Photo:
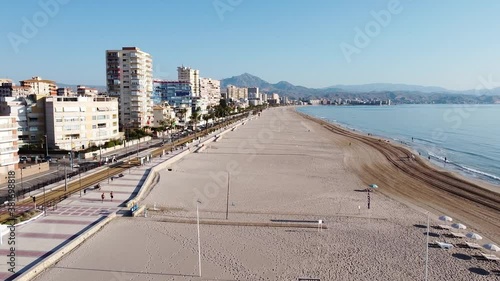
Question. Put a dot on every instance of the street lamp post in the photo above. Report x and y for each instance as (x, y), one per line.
(46, 147)
(199, 245)
(22, 188)
(227, 196)
(80, 174)
(427, 250)
(66, 176)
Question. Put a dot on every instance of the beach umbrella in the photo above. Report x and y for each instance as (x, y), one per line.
(445, 218)
(491, 247)
(373, 185)
(473, 235)
(459, 226)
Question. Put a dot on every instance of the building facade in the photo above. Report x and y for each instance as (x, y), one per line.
(9, 157)
(235, 93)
(40, 86)
(163, 114)
(83, 91)
(187, 74)
(75, 123)
(129, 76)
(210, 90)
(175, 93)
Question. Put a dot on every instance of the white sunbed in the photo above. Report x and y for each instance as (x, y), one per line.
(490, 257)
(457, 234)
(443, 245)
(473, 245)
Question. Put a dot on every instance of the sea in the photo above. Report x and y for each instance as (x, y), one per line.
(461, 138)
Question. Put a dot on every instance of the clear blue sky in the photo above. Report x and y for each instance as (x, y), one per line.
(449, 43)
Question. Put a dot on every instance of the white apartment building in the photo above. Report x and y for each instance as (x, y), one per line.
(65, 92)
(129, 76)
(11, 90)
(187, 74)
(210, 90)
(15, 107)
(41, 86)
(9, 158)
(235, 93)
(75, 123)
(83, 91)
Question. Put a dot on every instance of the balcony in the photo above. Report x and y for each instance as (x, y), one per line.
(9, 161)
(7, 150)
(8, 127)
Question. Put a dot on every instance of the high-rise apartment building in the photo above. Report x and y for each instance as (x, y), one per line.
(187, 74)
(129, 76)
(210, 90)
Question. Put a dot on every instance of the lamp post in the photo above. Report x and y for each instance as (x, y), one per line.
(427, 250)
(199, 245)
(80, 174)
(66, 175)
(22, 188)
(46, 147)
(227, 196)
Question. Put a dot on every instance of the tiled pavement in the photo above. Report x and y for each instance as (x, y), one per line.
(37, 240)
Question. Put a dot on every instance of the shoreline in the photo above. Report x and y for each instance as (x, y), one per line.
(418, 183)
(486, 179)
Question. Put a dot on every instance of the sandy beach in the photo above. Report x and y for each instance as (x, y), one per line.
(284, 172)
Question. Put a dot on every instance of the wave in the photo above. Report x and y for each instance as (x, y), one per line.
(497, 178)
(464, 168)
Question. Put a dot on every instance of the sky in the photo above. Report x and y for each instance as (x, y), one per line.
(312, 43)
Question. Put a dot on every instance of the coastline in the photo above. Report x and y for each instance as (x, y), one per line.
(420, 183)
(460, 169)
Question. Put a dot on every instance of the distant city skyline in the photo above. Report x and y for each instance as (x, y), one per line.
(314, 44)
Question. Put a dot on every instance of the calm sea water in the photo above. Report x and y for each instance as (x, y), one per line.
(468, 136)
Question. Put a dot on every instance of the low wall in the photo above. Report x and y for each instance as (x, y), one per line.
(89, 155)
(27, 171)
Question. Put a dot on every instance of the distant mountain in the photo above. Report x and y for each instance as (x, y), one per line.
(245, 80)
(378, 90)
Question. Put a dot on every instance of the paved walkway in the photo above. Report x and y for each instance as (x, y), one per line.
(42, 237)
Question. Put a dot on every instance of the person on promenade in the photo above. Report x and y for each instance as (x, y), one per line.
(102, 197)
(111, 195)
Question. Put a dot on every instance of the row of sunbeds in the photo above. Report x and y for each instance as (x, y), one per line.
(465, 244)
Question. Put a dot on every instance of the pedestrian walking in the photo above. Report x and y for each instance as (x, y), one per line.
(102, 197)
(111, 195)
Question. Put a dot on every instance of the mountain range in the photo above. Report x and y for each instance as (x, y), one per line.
(402, 92)
(286, 88)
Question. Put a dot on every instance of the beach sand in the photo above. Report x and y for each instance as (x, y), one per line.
(284, 168)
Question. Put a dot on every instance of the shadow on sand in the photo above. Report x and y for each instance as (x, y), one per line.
(462, 256)
(479, 271)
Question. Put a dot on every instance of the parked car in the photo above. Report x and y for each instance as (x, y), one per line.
(23, 159)
(48, 158)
